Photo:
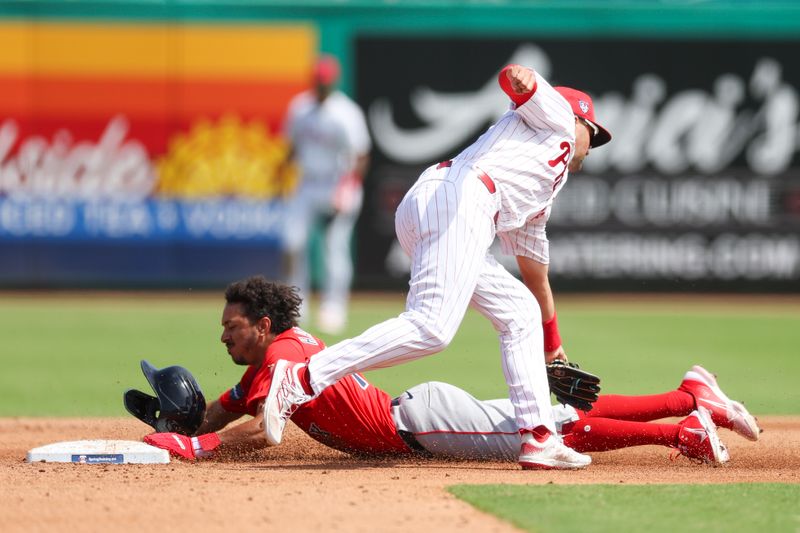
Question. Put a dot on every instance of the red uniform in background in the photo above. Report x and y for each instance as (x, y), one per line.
(351, 416)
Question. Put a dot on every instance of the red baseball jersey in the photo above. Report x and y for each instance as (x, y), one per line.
(351, 415)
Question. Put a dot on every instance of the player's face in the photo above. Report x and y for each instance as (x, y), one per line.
(582, 140)
(246, 342)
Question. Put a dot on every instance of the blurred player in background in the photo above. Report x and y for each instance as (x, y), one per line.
(330, 143)
(259, 327)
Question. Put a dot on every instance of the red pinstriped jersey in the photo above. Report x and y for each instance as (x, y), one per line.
(526, 153)
(351, 415)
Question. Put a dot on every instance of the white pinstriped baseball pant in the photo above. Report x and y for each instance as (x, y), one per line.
(445, 224)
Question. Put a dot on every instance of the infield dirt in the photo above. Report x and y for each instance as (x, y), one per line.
(303, 486)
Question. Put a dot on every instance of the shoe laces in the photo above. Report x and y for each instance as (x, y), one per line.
(293, 399)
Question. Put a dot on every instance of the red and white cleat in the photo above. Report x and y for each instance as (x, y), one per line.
(551, 454)
(725, 413)
(698, 439)
(285, 395)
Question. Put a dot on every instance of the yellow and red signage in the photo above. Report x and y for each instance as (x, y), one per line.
(204, 100)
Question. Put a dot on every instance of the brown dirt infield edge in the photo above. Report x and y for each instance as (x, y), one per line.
(303, 486)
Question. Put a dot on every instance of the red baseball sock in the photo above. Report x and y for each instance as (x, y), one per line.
(602, 434)
(642, 408)
(305, 380)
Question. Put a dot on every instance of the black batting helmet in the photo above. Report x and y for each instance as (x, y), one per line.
(179, 407)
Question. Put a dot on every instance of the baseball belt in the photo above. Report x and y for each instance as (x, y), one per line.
(408, 437)
(483, 176)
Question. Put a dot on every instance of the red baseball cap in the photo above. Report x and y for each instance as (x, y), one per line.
(326, 70)
(583, 107)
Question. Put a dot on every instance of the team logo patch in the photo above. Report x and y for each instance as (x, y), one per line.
(305, 337)
(584, 106)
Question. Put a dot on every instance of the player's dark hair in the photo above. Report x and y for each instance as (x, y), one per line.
(262, 298)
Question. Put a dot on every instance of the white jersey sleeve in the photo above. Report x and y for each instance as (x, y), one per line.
(546, 109)
(529, 240)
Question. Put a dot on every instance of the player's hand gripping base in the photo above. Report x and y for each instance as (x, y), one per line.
(573, 386)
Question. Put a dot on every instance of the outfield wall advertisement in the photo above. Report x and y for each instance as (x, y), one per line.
(700, 187)
(122, 140)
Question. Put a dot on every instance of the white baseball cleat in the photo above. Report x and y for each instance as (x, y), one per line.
(698, 439)
(285, 395)
(551, 454)
(725, 413)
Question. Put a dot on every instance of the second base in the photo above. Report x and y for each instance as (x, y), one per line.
(99, 452)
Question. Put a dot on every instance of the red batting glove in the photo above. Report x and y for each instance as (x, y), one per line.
(182, 446)
(176, 444)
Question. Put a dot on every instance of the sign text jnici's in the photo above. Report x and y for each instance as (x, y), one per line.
(701, 182)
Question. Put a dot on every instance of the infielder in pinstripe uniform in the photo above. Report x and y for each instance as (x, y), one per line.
(502, 185)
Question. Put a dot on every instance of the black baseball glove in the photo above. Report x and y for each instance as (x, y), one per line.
(573, 386)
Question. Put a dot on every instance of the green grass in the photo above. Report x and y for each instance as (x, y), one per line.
(727, 508)
(74, 356)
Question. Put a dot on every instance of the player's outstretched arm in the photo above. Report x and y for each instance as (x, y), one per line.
(242, 438)
(245, 437)
(535, 277)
